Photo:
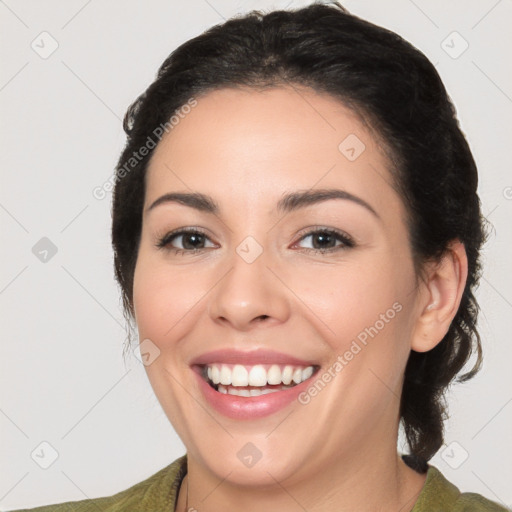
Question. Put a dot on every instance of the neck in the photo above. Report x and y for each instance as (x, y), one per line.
(364, 481)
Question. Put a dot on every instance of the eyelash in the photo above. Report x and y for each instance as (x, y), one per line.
(347, 241)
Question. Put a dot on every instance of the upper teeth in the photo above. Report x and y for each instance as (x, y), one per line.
(257, 375)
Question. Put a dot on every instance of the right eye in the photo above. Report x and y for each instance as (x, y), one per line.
(192, 240)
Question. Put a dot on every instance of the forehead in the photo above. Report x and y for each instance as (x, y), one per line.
(253, 145)
(230, 121)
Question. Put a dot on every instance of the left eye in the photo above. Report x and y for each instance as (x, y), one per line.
(326, 240)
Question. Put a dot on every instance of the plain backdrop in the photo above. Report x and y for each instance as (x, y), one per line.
(69, 71)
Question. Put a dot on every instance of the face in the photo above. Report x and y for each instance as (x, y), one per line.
(326, 283)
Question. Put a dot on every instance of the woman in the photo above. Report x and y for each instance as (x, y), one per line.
(296, 230)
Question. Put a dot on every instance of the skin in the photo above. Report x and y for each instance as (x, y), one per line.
(246, 148)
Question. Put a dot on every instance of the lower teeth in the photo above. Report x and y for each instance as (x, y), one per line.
(244, 391)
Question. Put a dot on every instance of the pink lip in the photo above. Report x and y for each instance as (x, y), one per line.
(259, 356)
(252, 407)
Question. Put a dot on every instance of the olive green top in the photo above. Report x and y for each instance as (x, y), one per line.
(159, 492)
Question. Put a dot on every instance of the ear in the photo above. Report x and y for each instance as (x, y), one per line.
(441, 298)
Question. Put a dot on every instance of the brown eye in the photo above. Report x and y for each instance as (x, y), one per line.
(324, 240)
(192, 240)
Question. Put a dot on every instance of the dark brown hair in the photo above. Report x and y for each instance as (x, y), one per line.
(386, 81)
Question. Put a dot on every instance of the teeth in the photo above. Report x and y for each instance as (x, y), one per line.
(239, 392)
(258, 375)
(287, 374)
(230, 390)
(297, 376)
(215, 374)
(274, 374)
(307, 372)
(225, 375)
(239, 376)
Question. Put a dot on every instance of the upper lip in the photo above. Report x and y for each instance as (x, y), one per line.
(249, 357)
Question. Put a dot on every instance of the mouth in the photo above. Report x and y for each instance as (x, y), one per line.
(254, 380)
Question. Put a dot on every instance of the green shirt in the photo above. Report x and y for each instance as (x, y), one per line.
(159, 492)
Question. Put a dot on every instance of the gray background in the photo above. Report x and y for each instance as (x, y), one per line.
(63, 380)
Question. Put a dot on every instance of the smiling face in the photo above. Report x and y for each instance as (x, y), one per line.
(328, 282)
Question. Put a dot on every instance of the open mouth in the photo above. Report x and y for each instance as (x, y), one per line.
(254, 380)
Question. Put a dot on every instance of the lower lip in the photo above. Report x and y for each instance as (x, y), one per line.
(251, 407)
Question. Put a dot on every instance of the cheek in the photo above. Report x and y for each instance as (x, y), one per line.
(165, 301)
(350, 298)
(366, 312)
(160, 300)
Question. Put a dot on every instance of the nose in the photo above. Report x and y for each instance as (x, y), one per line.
(248, 294)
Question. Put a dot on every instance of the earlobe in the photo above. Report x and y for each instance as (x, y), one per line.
(443, 293)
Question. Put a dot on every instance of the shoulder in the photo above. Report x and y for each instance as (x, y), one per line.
(473, 502)
(441, 495)
(159, 490)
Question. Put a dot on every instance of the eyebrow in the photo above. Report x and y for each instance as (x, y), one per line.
(288, 203)
(300, 199)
